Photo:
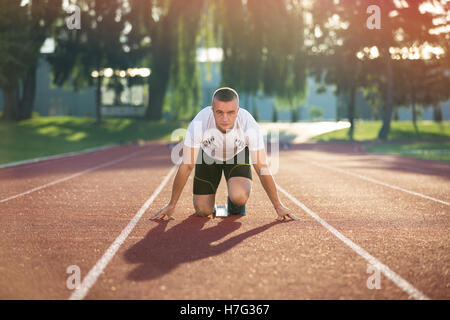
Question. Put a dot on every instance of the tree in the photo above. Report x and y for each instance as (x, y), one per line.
(437, 83)
(81, 55)
(403, 25)
(339, 36)
(263, 47)
(352, 37)
(184, 82)
(316, 113)
(164, 38)
(28, 24)
(437, 78)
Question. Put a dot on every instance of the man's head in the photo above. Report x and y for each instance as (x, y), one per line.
(225, 106)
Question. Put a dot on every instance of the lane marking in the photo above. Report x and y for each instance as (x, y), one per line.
(73, 176)
(399, 281)
(44, 160)
(101, 264)
(378, 182)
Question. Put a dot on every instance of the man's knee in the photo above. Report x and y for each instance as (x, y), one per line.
(203, 208)
(239, 190)
(239, 199)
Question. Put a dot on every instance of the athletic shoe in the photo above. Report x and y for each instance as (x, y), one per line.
(234, 209)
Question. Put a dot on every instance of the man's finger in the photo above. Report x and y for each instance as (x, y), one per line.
(155, 215)
(293, 217)
(161, 217)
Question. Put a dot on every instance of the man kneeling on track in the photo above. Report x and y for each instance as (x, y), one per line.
(221, 138)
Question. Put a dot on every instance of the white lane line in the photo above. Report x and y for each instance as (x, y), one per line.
(95, 272)
(399, 281)
(44, 160)
(73, 176)
(378, 182)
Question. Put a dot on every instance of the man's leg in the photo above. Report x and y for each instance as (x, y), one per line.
(206, 180)
(239, 182)
(239, 190)
(204, 204)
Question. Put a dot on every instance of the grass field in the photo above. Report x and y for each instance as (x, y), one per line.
(400, 130)
(431, 151)
(430, 141)
(46, 136)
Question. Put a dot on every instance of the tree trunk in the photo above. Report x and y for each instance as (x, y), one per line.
(11, 103)
(396, 116)
(29, 94)
(157, 91)
(384, 131)
(351, 112)
(413, 108)
(275, 115)
(414, 115)
(98, 100)
(159, 78)
(437, 113)
(158, 84)
(340, 104)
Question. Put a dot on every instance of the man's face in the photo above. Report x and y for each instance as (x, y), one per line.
(225, 114)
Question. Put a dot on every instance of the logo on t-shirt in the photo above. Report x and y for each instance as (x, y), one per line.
(239, 143)
(209, 143)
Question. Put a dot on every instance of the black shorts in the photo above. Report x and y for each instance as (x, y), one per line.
(208, 173)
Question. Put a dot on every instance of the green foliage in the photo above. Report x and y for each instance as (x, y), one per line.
(14, 32)
(263, 47)
(94, 47)
(334, 56)
(46, 136)
(164, 37)
(430, 151)
(368, 130)
(316, 113)
(23, 30)
(185, 86)
(268, 47)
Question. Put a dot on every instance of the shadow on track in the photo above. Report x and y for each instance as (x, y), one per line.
(161, 251)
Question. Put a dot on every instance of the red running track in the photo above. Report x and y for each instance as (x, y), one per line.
(376, 202)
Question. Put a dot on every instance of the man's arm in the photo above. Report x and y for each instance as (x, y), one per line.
(262, 169)
(183, 173)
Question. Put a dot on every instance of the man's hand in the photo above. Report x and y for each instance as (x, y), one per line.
(167, 211)
(284, 213)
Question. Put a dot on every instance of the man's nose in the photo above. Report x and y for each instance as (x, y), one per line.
(225, 117)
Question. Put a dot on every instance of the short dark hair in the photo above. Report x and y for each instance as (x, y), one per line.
(226, 94)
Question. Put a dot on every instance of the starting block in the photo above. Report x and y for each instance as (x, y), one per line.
(221, 211)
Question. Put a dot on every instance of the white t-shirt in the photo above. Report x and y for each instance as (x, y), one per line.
(202, 132)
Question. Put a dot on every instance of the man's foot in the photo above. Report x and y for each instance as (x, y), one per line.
(234, 209)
